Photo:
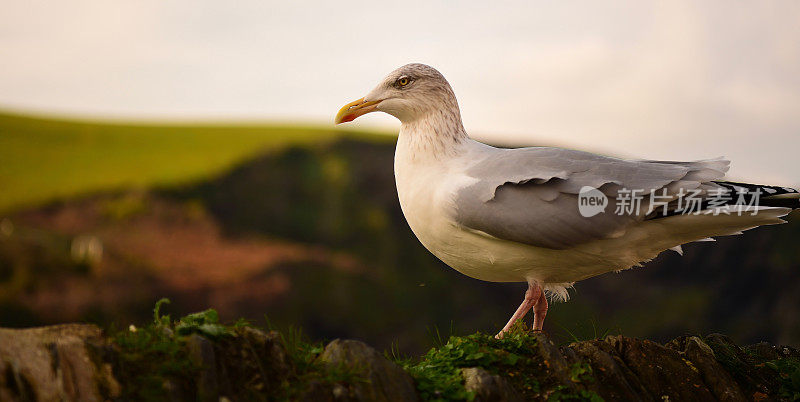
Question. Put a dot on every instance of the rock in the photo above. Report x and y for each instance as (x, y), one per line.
(755, 379)
(766, 351)
(613, 379)
(384, 380)
(719, 382)
(74, 362)
(201, 352)
(317, 391)
(254, 360)
(55, 363)
(632, 369)
(488, 387)
(556, 364)
(664, 371)
(269, 349)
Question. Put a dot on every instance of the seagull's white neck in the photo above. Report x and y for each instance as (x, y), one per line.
(434, 135)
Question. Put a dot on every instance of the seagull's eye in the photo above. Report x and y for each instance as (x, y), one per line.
(403, 81)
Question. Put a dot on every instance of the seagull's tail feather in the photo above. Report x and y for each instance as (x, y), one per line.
(654, 236)
(732, 196)
(691, 228)
(768, 196)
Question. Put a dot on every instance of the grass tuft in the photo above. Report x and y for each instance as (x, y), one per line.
(152, 363)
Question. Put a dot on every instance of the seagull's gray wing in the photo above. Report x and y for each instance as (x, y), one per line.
(530, 195)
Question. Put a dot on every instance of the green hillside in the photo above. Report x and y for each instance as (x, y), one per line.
(43, 159)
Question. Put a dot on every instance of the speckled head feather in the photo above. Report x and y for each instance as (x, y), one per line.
(414, 91)
(422, 99)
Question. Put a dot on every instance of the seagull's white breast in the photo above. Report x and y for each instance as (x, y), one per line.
(426, 187)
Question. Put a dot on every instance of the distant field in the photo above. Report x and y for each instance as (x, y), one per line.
(44, 159)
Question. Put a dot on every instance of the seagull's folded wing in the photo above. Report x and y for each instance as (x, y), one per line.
(530, 195)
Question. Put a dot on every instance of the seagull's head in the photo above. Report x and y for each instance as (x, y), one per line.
(409, 93)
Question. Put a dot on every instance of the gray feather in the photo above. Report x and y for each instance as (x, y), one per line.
(530, 195)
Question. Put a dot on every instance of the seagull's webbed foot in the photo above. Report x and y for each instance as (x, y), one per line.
(539, 312)
(533, 297)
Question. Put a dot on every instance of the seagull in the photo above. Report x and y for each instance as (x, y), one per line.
(542, 215)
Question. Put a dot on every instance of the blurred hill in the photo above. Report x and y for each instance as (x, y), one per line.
(311, 234)
(45, 159)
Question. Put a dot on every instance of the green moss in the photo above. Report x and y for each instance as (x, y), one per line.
(438, 373)
(516, 357)
(789, 371)
(152, 364)
(581, 372)
(205, 323)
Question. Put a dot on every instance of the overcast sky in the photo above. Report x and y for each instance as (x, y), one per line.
(666, 80)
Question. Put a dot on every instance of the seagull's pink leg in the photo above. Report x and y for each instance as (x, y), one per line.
(539, 312)
(532, 295)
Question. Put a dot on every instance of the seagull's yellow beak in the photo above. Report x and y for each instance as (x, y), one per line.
(356, 108)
